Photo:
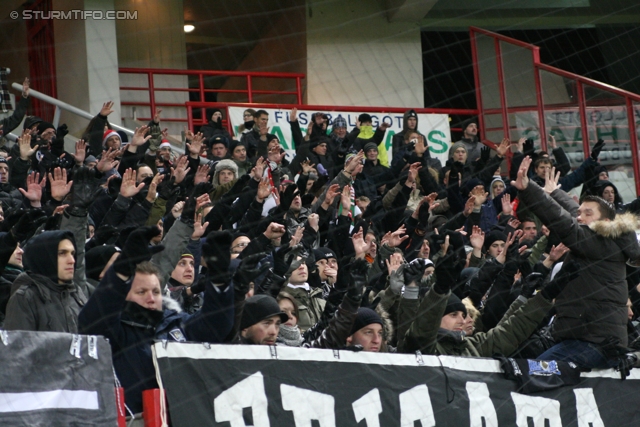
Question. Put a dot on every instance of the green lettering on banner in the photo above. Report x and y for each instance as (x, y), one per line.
(441, 142)
(614, 132)
(389, 141)
(277, 132)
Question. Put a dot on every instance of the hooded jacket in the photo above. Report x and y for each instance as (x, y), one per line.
(38, 302)
(593, 306)
(226, 164)
(601, 185)
(397, 142)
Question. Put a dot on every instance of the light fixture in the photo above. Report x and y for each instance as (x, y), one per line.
(188, 27)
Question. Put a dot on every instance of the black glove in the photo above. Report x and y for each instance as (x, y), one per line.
(104, 233)
(455, 240)
(625, 363)
(136, 250)
(530, 283)
(84, 191)
(358, 282)
(446, 272)
(528, 147)
(189, 210)
(27, 224)
(196, 288)
(217, 255)
(272, 284)
(280, 265)
(287, 196)
(414, 271)
(569, 271)
(62, 131)
(248, 271)
(485, 154)
(595, 151)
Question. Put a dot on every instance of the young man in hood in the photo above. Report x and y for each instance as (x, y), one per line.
(44, 298)
(409, 125)
(470, 139)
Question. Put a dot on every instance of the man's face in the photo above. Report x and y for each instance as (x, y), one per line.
(66, 260)
(145, 291)
(238, 245)
(16, 257)
(48, 134)
(496, 248)
(262, 120)
(219, 150)
(542, 169)
(240, 153)
(530, 230)
(370, 338)
(468, 327)
(609, 194)
(287, 307)
(225, 176)
(264, 332)
(471, 131)
(320, 149)
(372, 154)
(296, 205)
(373, 250)
(362, 204)
(629, 310)
(588, 212)
(603, 176)
(327, 268)
(91, 165)
(453, 321)
(113, 142)
(143, 173)
(4, 173)
(460, 155)
(216, 116)
(165, 152)
(340, 132)
(412, 122)
(184, 271)
(425, 250)
(300, 274)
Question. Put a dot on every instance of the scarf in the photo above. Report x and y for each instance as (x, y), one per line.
(290, 336)
(366, 132)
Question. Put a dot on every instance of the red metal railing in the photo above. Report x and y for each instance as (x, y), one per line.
(580, 83)
(201, 88)
(323, 108)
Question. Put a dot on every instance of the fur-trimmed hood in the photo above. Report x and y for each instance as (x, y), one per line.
(225, 164)
(387, 329)
(621, 224)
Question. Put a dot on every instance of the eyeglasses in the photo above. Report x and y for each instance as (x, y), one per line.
(247, 115)
(239, 245)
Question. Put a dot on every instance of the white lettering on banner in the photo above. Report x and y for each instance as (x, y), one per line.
(369, 408)
(587, 408)
(246, 393)
(55, 399)
(308, 405)
(415, 405)
(434, 126)
(480, 406)
(537, 408)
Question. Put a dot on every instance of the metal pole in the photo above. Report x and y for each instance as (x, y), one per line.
(583, 119)
(633, 139)
(502, 88)
(476, 77)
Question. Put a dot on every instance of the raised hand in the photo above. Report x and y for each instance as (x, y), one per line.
(181, 169)
(557, 252)
(551, 179)
(108, 160)
(413, 173)
(153, 187)
(196, 144)
(297, 236)
(176, 210)
(507, 209)
(354, 163)
(264, 189)
(81, 151)
(34, 187)
(522, 181)
(480, 196)
(421, 146)
(128, 188)
(306, 167)
(156, 116)
(275, 231)
(331, 194)
(360, 246)
(136, 250)
(345, 198)
(202, 174)
(503, 147)
(198, 227)
(396, 238)
(106, 108)
(477, 238)
(25, 87)
(293, 116)
(24, 143)
(469, 206)
(139, 138)
(59, 185)
(313, 220)
(258, 169)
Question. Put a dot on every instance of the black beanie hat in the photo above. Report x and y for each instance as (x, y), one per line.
(258, 308)
(365, 317)
(492, 237)
(364, 118)
(370, 146)
(43, 126)
(454, 304)
(324, 253)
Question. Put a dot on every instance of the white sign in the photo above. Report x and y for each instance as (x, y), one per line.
(434, 126)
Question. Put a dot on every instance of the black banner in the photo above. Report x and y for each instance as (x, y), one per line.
(55, 379)
(235, 385)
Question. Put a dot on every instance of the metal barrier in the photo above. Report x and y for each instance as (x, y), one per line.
(544, 90)
(201, 89)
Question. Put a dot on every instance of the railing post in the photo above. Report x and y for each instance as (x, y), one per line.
(249, 88)
(502, 89)
(203, 111)
(152, 96)
(633, 141)
(582, 107)
(56, 117)
(299, 90)
(476, 76)
(189, 117)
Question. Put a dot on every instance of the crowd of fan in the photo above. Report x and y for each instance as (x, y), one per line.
(335, 248)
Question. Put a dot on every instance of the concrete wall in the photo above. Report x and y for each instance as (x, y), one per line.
(283, 48)
(356, 57)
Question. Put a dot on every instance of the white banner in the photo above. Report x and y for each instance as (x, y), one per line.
(434, 126)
